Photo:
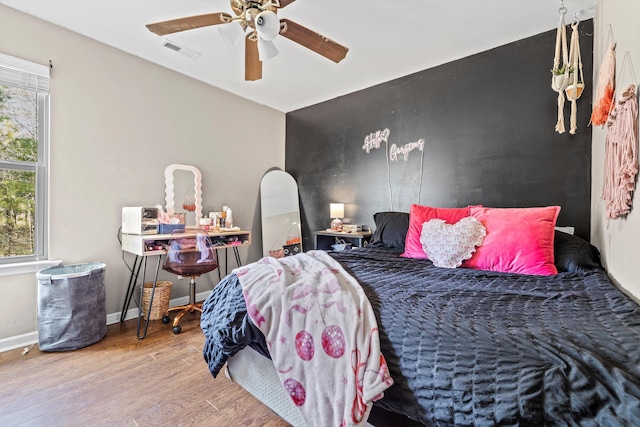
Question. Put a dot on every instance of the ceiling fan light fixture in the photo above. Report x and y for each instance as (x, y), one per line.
(266, 49)
(259, 26)
(267, 25)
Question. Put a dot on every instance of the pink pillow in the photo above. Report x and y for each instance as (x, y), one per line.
(518, 240)
(450, 244)
(418, 215)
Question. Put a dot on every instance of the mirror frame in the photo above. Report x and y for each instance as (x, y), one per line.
(169, 188)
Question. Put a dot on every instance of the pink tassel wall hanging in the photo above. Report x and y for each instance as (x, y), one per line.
(606, 87)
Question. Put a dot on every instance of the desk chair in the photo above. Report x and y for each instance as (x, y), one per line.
(189, 254)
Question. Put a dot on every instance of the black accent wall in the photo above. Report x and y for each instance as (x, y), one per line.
(487, 122)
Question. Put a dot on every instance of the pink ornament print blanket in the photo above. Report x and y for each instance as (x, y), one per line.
(322, 335)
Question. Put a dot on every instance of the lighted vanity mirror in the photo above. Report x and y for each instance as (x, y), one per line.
(280, 210)
(183, 192)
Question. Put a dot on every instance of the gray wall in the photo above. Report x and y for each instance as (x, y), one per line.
(117, 121)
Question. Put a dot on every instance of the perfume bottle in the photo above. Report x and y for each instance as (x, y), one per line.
(228, 223)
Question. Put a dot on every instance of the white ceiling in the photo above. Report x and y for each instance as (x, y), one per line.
(386, 39)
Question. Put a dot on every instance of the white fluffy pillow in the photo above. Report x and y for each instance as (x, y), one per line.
(448, 245)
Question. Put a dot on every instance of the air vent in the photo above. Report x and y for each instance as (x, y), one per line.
(180, 49)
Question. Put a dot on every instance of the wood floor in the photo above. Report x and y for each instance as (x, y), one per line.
(161, 380)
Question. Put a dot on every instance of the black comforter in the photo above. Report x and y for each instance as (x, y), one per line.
(468, 347)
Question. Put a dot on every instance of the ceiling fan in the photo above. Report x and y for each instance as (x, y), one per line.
(259, 23)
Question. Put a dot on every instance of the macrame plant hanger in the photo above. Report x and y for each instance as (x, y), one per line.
(560, 73)
(575, 86)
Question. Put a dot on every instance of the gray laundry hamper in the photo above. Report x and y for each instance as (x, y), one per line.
(71, 306)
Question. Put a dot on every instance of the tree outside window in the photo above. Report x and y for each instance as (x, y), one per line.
(18, 167)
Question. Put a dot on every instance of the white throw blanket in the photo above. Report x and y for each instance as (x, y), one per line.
(322, 335)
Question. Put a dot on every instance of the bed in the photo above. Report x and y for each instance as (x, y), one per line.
(471, 346)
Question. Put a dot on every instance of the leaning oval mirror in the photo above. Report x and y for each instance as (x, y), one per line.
(281, 231)
(183, 192)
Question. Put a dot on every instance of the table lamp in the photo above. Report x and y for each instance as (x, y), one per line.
(336, 212)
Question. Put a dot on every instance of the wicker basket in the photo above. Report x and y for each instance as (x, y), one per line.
(161, 299)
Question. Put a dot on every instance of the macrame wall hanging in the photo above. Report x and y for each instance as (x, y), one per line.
(621, 150)
(606, 84)
(560, 70)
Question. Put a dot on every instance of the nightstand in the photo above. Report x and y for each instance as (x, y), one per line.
(324, 239)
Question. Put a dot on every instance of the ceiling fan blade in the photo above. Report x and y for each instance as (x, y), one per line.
(252, 63)
(284, 3)
(189, 23)
(312, 40)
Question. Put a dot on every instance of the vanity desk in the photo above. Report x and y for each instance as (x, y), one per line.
(144, 246)
(185, 181)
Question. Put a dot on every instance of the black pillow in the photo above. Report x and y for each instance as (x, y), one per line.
(391, 229)
(573, 254)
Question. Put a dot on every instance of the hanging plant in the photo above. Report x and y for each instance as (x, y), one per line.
(562, 70)
(560, 78)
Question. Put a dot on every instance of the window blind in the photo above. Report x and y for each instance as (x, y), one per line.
(23, 74)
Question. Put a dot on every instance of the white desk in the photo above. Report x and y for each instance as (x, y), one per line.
(146, 245)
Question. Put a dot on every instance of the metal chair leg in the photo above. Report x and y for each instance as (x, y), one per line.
(184, 309)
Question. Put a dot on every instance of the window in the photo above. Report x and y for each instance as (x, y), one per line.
(24, 122)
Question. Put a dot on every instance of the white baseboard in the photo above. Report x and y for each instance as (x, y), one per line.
(25, 340)
(17, 341)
